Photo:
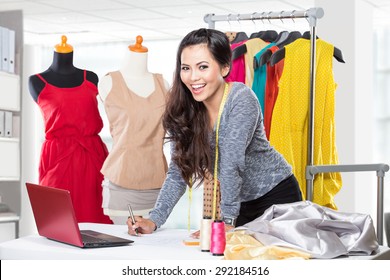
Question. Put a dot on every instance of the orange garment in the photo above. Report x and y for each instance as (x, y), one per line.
(290, 117)
(136, 160)
(73, 152)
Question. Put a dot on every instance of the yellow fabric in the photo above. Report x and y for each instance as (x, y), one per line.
(290, 117)
(189, 205)
(241, 246)
(216, 182)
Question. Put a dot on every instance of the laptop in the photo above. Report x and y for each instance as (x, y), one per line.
(55, 219)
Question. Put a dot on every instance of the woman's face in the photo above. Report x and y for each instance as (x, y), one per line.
(202, 75)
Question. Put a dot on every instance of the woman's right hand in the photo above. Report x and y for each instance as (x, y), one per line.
(141, 225)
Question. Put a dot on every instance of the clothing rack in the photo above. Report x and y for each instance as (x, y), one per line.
(311, 15)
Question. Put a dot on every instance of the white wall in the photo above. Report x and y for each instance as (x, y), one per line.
(31, 131)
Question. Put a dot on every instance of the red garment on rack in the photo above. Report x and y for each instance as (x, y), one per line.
(73, 152)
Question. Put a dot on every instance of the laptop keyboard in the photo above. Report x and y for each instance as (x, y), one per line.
(91, 239)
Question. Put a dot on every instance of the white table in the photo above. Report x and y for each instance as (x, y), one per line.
(164, 244)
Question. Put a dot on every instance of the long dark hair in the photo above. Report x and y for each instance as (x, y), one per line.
(185, 119)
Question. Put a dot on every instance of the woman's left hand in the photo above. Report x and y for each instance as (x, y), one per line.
(195, 234)
(228, 228)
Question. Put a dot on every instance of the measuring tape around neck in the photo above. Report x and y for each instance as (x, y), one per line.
(224, 97)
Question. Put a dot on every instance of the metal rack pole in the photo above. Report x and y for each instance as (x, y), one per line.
(312, 82)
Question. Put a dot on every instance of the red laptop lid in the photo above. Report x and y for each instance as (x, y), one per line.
(54, 214)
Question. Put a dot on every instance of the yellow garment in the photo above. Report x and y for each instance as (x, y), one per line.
(241, 246)
(290, 117)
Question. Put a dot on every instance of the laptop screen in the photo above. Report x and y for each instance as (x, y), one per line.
(54, 214)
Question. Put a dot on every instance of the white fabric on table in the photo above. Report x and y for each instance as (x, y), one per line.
(318, 230)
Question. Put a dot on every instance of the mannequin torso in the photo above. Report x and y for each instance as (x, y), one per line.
(61, 73)
(72, 152)
(133, 120)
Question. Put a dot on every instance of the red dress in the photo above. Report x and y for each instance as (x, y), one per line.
(73, 152)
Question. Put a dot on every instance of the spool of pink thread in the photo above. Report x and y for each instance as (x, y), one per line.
(218, 238)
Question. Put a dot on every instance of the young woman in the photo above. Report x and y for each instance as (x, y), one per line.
(252, 175)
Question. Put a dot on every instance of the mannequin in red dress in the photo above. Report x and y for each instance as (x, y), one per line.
(73, 152)
(61, 73)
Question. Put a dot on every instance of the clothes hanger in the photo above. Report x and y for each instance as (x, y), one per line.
(281, 37)
(265, 35)
(233, 36)
(292, 36)
(280, 54)
(255, 34)
(239, 51)
(239, 37)
(337, 52)
(259, 33)
(268, 35)
(281, 42)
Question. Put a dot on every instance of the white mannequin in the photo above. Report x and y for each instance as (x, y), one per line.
(134, 71)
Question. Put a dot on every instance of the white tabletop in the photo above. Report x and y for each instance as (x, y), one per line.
(164, 244)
